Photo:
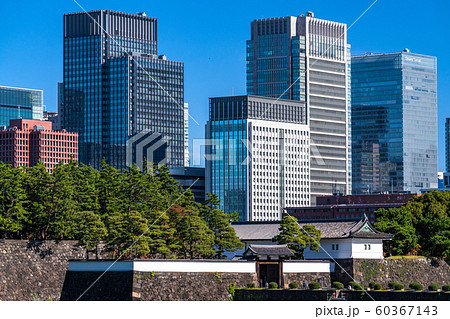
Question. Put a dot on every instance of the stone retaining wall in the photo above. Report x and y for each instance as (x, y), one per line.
(34, 270)
(405, 271)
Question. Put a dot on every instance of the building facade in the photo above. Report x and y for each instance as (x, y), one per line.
(20, 103)
(193, 177)
(307, 59)
(26, 142)
(348, 207)
(186, 134)
(123, 99)
(394, 122)
(447, 144)
(257, 162)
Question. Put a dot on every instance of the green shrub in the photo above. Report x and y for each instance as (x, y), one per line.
(293, 285)
(377, 287)
(398, 286)
(446, 287)
(415, 286)
(251, 285)
(355, 285)
(433, 287)
(314, 285)
(371, 285)
(273, 285)
(337, 285)
(392, 284)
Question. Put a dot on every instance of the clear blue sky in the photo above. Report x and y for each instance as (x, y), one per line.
(209, 37)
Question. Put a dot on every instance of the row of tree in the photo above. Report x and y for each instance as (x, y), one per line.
(421, 226)
(147, 211)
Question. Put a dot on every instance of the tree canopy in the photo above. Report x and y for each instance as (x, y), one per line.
(298, 238)
(146, 210)
(421, 226)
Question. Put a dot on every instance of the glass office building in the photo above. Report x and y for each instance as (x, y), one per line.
(307, 59)
(394, 122)
(18, 103)
(447, 144)
(257, 158)
(121, 97)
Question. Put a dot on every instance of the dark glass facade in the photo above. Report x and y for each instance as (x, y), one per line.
(18, 103)
(116, 86)
(394, 122)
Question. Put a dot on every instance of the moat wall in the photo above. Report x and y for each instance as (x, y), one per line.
(34, 270)
(37, 270)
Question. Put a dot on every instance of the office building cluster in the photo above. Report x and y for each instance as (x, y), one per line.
(315, 121)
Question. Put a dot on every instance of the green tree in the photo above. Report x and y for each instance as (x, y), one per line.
(127, 235)
(398, 222)
(89, 229)
(296, 238)
(225, 238)
(196, 240)
(13, 197)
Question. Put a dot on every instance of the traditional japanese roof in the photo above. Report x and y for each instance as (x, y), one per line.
(265, 231)
(268, 250)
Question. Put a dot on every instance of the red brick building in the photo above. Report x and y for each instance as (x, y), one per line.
(26, 142)
(348, 207)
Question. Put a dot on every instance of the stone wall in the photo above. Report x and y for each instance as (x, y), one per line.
(187, 286)
(405, 271)
(34, 270)
(306, 278)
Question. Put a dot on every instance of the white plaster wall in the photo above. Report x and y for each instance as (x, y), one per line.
(359, 251)
(325, 250)
(303, 266)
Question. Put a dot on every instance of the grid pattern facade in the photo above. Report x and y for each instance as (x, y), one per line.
(394, 122)
(307, 59)
(447, 145)
(20, 103)
(116, 86)
(28, 141)
(257, 166)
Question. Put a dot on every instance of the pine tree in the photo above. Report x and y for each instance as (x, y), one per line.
(225, 238)
(296, 238)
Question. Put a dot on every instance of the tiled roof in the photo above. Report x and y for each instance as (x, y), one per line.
(254, 231)
(269, 250)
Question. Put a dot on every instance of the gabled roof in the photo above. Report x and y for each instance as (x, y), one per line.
(268, 250)
(265, 231)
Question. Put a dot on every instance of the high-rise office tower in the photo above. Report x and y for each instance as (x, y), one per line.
(20, 103)
(447, 144)
(121, 97)
(394, 122)
(307, 59)
(257, 162)
(186, 134)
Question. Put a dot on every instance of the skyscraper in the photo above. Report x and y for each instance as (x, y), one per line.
(307, 59)
(257, 162)
(447, 144)
(394, 122)
(117, 87)
(186, 134)
(18, 103)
